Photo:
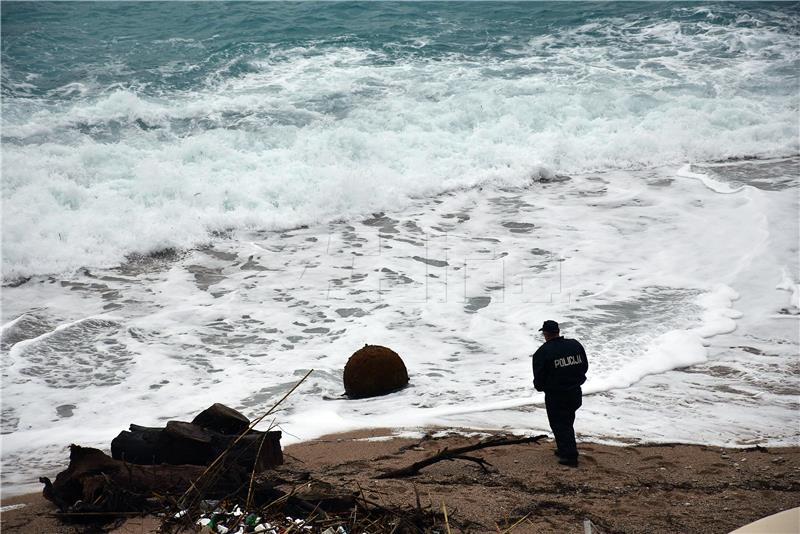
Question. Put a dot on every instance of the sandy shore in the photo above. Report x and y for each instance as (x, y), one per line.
(642, 488)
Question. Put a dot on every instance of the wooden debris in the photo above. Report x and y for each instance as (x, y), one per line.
(103, 484)
(233, 490)
(458, 452)
(181, 443)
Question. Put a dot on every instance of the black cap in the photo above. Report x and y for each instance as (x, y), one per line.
(549, 326)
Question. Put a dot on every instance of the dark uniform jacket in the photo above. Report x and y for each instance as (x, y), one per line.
(559, 365)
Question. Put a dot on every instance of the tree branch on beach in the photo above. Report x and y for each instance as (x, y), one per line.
(458, 453)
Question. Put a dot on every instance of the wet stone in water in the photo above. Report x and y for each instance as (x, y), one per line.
(518, 227)
(476, 303)
(65, 410)
(319, 330)
(435, 263)
(347, 312)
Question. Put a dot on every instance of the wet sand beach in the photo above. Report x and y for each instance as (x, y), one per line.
(667, 488)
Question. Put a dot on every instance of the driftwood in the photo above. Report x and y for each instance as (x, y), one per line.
(458, 453)
(149, 463)
(97, 482)
(181, 443)
(95, 485)
(98, 488)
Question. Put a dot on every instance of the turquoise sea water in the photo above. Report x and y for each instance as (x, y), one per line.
(159, 47)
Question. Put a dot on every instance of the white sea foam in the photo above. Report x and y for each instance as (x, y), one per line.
(10, 507)
(675, 314)
(714, 185)
(317, 133)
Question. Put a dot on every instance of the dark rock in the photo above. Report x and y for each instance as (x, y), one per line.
(185, 443)
(136, 447)
(222, 419)
(374, 370)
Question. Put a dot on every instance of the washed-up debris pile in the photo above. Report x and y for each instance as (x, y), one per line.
(227, 517)
(218, 475)
(218, 453)
(236, 521)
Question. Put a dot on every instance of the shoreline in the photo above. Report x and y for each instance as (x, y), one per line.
(633, 488)
(417, 432)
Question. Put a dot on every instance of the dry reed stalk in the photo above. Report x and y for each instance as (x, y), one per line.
(515, 525)
(446, 521)
(249, 500)
(218, 460)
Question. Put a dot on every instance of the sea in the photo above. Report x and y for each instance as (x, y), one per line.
(201, 202)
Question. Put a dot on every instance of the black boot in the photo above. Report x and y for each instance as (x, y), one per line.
(571, 462)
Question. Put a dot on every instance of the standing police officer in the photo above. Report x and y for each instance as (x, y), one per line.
(559, 369)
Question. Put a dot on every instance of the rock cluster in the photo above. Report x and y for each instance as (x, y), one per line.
(199, 442)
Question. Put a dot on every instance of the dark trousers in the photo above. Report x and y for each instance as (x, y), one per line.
(561, 407)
